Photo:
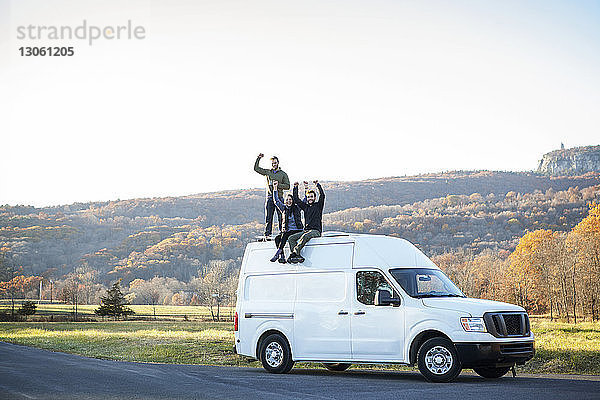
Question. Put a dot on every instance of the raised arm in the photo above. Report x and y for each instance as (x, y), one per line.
(321, 193)
(258, 169)
(297, 200)
(305, 191)
(277, 200)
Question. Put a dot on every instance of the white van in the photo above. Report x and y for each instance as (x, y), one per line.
(371, 299)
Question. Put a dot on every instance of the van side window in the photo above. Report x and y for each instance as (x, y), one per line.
(367, 283)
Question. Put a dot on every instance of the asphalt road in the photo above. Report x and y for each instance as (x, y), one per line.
(28, 373)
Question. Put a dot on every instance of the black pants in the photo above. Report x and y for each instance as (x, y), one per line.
(270, 208)
(281, 239)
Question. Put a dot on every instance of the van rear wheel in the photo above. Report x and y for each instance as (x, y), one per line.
(438, 360)
(338, 367)
(275, 354)
(492, 372)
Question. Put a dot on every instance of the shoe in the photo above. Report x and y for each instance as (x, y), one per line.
(299, 259)
(277, 255)
(292, 258)
(282, 258)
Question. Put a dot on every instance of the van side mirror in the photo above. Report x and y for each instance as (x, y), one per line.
(383, 297)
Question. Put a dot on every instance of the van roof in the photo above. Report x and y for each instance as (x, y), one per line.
(369, 250)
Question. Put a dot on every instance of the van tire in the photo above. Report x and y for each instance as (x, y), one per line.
(338, 367)
(438, 360)
(492, 372)
(275, 354)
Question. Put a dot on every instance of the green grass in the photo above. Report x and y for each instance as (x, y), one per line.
(560, 347)
(565, 348)
(144, 341)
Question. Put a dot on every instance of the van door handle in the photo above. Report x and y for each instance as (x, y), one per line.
(343, 312)
(360, 312)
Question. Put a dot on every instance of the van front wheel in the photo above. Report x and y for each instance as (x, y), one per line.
(438, 360)
(275, 354)
(338, 367)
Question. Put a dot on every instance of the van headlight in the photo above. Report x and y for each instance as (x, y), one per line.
(473, 324)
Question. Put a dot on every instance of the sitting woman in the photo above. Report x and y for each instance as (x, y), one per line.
(292, 222)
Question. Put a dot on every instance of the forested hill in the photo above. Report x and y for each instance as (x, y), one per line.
(178, 237)
(242, 206)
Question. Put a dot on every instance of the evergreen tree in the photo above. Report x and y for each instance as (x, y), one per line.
(27, 308)
(114, 303)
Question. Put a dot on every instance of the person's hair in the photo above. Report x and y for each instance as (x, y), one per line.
(311, 191)
(274, 158)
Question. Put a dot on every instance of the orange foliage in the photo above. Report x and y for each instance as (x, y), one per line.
(526, 267)
(19, 285)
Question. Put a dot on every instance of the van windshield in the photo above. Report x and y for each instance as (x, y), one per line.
(425, 282)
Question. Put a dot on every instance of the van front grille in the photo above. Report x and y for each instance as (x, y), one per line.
(507, 324)
(513, 324)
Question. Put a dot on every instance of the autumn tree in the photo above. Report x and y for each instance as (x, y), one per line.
(585, 240)
(17, 287)
(529, 266)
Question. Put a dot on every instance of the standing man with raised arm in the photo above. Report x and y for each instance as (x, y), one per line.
(313, 220)
(273, 174)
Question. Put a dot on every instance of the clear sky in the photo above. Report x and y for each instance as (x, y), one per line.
(339, 90)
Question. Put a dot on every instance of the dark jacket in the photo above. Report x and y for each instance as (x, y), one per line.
(287, 211)
(313, 213)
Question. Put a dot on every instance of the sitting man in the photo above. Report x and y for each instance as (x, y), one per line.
(292, 222)
(313, 216)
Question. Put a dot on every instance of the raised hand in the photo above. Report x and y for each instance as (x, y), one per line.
(315, 181)
(261, 155)
(295, 184)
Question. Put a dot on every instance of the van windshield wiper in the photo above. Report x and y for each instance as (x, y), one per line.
(438, 295)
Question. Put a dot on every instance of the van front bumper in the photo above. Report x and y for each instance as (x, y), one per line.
(495, 354)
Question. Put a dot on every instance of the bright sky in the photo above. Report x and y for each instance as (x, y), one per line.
(339, 90)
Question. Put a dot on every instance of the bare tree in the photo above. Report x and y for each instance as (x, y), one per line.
(148, 291)
(214, 288)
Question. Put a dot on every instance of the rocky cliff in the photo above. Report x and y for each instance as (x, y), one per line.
(574, 161)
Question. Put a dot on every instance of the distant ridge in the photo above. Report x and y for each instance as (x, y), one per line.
(573, 161)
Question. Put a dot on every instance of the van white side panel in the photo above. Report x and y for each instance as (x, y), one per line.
(385, 252)
(327, 256)
(322, 317)
(257, 261)
(268, 303)
(270, 289)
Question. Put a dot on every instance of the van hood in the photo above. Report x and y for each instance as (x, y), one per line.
(475, 307)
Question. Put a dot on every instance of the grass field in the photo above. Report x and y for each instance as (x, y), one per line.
(46, 309)
(561, 347)
(565, 348)
(146, 341)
